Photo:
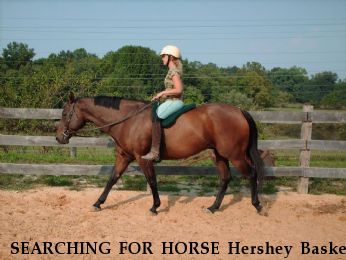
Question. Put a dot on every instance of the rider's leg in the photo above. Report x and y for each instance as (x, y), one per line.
(154, 153)
(169, 107)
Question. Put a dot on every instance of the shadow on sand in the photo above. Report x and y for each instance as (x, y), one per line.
(134, 198)
(267, 201)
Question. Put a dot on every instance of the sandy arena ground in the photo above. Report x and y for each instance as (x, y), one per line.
(58, 214)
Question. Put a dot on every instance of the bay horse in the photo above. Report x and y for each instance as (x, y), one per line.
(228, 130)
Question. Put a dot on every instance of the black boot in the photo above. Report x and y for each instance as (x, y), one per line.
(154, 153)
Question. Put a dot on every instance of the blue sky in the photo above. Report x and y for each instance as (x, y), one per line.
(310, 33)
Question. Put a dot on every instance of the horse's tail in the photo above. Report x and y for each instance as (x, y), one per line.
(252, 149)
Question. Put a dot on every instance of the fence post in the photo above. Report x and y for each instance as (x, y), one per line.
(73, 152)
(305, 153)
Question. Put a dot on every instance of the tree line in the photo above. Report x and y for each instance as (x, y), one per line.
(137, 72)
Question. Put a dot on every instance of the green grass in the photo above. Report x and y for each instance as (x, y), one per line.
(17, 182)
(327, 159)
(138, 183)
(57, 155)
(106, 156)
(334, 186)
(195, 185)
(199, 185)
(24, 182)
(57, 180)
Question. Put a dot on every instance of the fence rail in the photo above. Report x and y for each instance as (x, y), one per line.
(277, 117)
(68, 169)
(19, 140)
(305, 145)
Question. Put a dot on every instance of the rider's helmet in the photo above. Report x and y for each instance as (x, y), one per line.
(171, 50)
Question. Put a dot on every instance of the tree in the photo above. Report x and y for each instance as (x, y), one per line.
(288, 79)
(132, 66)
(234, 98)
(17, 55)
(255, 67)
(288, 83)
(137, 72)
(252, 81)
(193, 95)
(336, 98)
(320, 85)
(205, 78)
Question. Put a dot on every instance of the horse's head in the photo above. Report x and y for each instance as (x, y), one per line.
(70, 122)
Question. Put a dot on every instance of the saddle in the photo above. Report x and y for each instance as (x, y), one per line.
(170, 120)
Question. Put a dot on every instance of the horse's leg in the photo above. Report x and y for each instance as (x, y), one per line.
(222, 165)
(249, 171)
(149, 173)
(121, 164)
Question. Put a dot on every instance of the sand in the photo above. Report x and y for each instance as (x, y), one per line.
(62, 215)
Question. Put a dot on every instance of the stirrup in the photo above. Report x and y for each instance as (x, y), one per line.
(152, 156)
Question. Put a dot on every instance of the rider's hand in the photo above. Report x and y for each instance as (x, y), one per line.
(158, 96)
(154, 98)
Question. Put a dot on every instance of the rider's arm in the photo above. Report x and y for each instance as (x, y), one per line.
(176, 91)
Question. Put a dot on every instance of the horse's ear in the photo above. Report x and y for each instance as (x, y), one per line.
(71, 97)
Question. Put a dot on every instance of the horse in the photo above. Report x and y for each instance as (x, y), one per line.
(229, 131)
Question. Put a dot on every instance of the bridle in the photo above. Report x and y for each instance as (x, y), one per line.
(68, 132)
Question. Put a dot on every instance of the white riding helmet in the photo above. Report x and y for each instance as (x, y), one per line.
(171, 50)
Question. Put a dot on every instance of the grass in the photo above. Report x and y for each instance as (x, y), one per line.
(193, 185)
(57, 155)
(17, 182)
(57, 180)
(138, 183)
(334, 186)
(92, 155)
(327, 159)
(198, 185)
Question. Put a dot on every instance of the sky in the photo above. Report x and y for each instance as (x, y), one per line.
(277, 33)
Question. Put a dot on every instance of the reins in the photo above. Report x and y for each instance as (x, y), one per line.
(68, 131)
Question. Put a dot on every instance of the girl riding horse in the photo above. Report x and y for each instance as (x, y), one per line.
(229, 131)
(171, 57)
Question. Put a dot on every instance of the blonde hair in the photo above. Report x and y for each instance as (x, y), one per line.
(178, 64)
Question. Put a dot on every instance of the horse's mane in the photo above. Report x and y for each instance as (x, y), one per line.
(112, 102)
(109, 102)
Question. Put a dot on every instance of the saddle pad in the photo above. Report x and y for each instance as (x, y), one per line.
(170, 120)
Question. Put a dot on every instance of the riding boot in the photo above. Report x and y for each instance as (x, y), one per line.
(154, 153)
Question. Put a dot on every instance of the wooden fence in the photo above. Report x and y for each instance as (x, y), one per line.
(306, 118)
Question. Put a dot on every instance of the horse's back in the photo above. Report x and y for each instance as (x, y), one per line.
(207, 126)
(210, 116)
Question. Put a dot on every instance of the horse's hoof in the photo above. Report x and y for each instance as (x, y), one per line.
(95, 208)
(209, 211)
(153, 213)
(262, 212)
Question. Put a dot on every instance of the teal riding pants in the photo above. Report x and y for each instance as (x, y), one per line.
(169, 107)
